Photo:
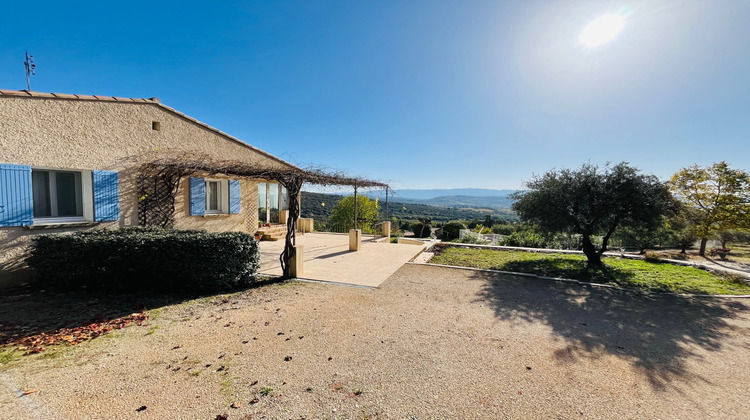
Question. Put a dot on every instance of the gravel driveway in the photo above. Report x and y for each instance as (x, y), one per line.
(430, 343)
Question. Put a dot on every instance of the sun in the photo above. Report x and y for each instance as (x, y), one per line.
(602, 30)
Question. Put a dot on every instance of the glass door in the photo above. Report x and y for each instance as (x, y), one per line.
(262, 203)
(273, 203)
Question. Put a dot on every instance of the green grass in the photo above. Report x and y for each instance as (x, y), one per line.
(9, 355)
(643, 275)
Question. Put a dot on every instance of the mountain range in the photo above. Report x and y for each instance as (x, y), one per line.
(457, 197)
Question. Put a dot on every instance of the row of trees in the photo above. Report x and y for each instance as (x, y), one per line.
(591, 201)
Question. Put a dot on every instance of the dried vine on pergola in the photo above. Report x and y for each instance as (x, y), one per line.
(159, 180)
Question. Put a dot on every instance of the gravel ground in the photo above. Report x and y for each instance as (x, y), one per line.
(430, 343)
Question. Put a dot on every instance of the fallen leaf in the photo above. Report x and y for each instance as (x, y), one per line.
(236, 404)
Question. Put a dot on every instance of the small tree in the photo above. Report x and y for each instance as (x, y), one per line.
(591, 202)
(681, 226)
(718, 195)
(368, 212)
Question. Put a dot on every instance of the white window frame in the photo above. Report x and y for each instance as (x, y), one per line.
(87, 197)
(223, 198)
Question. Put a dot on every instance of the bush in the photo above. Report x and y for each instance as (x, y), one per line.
(421, 230)
(525, 238)
(503, 228)
(145, 258)
(451, 230)
(472, 238)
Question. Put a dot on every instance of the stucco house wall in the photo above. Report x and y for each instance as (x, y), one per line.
(76, 132)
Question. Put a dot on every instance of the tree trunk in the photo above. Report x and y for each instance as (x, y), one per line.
(293, 188)
(594, 258)
(702, 251)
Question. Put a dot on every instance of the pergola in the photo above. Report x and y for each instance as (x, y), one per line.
(159, 179)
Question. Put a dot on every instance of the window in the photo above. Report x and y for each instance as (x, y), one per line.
(58, 194)
(31, 196)
(214, 196)
(217, 199)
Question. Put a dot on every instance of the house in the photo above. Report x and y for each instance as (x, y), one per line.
(70, 162)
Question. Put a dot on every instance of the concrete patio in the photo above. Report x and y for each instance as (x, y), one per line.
(327, 258)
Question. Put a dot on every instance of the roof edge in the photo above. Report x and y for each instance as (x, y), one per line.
(147, 101)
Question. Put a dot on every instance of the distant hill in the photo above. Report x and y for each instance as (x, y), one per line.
(459, 197)
(318, 206)
(471, 192)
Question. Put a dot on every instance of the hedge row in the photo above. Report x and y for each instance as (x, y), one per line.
(145, 258)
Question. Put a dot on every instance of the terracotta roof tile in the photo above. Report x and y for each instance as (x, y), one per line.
(25, 93)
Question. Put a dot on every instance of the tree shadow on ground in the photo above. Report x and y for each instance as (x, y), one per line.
(569, 269)
(28, 311)
(657, 333)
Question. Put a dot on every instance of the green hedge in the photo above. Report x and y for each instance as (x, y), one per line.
(145, 258)
(451, 230)
(421, 230)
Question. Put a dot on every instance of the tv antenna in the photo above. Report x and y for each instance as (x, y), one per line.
(30, 69)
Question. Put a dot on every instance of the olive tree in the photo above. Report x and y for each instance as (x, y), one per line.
(593, 202)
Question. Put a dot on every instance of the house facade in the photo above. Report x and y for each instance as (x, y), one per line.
(70, 162)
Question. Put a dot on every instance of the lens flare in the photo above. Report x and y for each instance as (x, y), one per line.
(602, 30)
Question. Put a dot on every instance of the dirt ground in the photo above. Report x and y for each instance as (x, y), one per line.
(429, 343)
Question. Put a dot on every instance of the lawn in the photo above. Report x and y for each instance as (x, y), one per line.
(636, 274)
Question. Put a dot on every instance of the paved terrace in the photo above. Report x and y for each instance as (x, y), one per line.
(327, 258)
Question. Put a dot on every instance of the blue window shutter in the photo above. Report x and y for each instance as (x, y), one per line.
(106, 196)
(197, 196)
(16, 198)
(234, 196)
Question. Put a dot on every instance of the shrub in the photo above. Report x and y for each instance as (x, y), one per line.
(421, 230)
(503, 228)
(657, 256)
(525, 238)
(472, 238)
(451, 230)
(145, 258)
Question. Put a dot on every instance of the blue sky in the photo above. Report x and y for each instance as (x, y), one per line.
(424, 94)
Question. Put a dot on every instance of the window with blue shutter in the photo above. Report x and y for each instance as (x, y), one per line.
(16, 197)
(106, 196)
(197, 196)
(234, 196)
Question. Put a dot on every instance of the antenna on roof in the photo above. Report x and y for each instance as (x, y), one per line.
(30, 69)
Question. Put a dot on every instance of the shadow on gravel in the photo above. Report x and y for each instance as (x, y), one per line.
(655, 332)
(569, 269)
(26, 312)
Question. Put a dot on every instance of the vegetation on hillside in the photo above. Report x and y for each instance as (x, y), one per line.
(319, 206)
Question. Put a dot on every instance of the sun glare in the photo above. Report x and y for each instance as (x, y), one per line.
(602, 30)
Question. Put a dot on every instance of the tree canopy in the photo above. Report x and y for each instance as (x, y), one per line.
(368, 213)
(717, 196)
(592, 201)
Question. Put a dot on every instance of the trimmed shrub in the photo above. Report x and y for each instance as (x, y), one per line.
(451, 230)
(139, 258)
(421, 230)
